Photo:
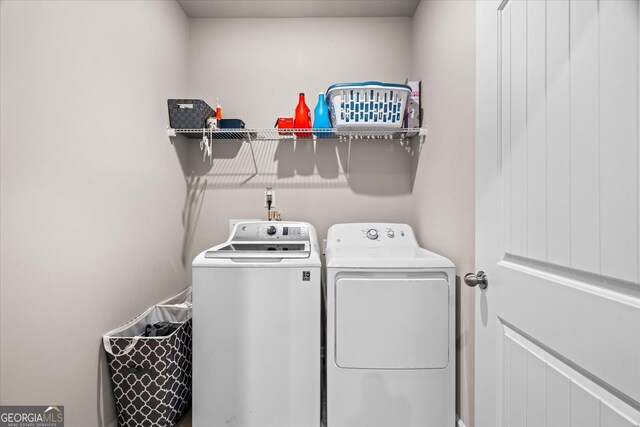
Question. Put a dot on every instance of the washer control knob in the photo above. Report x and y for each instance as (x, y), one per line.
(271, 230)
(391, 233)
(372, 233)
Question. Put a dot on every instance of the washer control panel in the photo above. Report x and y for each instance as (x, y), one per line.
(271, 230)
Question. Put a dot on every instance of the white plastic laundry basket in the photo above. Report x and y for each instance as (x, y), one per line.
(368, 105)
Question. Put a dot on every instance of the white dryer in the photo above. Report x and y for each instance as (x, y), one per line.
(256, 328)
(390, 329)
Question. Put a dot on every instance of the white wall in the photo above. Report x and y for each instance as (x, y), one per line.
(444, 191)
(257, 67)
(91, 191)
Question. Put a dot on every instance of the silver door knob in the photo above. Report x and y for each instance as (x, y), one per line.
(479, 279)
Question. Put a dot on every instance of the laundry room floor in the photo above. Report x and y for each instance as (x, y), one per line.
(185, 421)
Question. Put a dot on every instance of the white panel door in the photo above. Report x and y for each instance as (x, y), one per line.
(558, 327)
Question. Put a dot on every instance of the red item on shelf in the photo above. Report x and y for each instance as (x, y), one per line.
(284, 123)
(303, 118)
(218, 110)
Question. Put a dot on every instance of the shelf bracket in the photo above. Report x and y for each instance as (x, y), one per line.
(349, 154)
(253, 154)
(171, 133)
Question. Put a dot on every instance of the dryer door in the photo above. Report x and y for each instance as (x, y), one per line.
(392, 323)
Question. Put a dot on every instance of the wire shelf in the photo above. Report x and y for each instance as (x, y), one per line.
(274, 134)
(250, 135)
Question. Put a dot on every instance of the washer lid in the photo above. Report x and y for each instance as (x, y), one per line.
(260, 250)
(264, 244)
(384, 257)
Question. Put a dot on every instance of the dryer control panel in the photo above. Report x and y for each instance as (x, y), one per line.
(373, 234)
(388, 232)
(270, 230)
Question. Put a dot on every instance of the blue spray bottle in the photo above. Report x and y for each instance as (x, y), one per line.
(321, 116)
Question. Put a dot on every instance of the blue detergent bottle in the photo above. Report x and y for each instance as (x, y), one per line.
(321, 116)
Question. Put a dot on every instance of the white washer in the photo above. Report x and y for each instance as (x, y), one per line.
(390, 329)
(256, 328)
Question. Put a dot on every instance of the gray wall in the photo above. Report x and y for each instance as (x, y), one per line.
(444, 189)
(257, 67)
(92, 193)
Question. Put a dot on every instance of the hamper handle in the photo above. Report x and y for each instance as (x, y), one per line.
(127, 349)
(137, 371)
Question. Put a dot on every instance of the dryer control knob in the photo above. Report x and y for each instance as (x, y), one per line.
(271, 230)
(372, 234)
(391, 233)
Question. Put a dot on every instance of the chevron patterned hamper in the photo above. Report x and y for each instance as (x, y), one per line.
(151, 376)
